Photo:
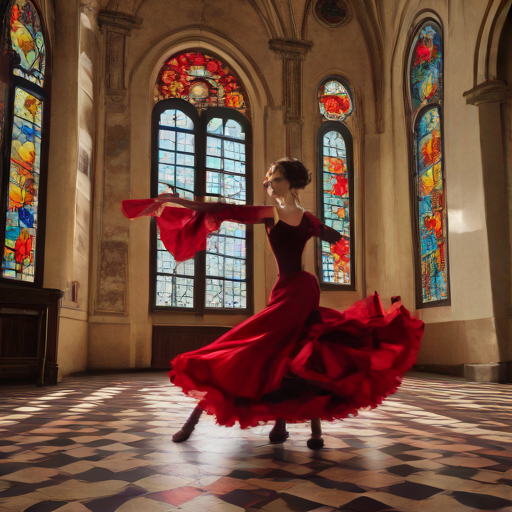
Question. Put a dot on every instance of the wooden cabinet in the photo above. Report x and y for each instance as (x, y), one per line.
(29, 320)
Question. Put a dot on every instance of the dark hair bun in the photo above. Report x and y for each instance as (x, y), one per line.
(294, 171)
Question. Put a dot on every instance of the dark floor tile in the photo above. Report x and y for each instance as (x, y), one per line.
(406, 457)
(132, 491)
(413, 491)
(46, 506)
(20, 488)
(402, 470)
(99, 442)
(60, 442)
(57, 461)
(499, 460)
(331, 484)
(480, 501)
(318, 465)
(364, 504)
(299, 504)
(398, 448)
(96, 475)
(243, 475)
(242, 498)
(502, 468)
(110, 504)
(135, 474)
(458, 471)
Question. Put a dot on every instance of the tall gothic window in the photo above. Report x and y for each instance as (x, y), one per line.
(202, 148)
(425, 107)
(336, 184)
(23, 128)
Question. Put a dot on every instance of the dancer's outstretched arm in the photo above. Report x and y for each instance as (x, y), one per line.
(240, 213)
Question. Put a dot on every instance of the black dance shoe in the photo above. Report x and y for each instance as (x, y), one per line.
(315, 443)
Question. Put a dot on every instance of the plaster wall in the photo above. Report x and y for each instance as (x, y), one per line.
(70, 169)
(461, 333)
(467, 325)
(244, 48)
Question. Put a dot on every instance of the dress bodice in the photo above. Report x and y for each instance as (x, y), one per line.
(287, 243)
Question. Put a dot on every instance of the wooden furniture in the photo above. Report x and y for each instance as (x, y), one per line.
(171, 340)
(29, 321)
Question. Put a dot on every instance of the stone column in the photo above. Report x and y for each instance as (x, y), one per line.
(487, 97)
(113, 229)
(293, 52)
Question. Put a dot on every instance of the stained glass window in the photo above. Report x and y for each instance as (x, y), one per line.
(334, 101)
(426, 105)
(336, 258)
(200, 150)
(226, 285)
(176, 169)
(27, 42)
(426, 72)
(21, 197)
(335, 181)
(201, 80)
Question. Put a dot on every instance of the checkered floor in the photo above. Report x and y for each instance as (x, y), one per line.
(103, 443)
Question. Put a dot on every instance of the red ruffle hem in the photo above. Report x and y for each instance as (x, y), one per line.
(294, 359)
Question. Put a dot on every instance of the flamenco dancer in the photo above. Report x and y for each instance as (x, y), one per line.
(293, 361)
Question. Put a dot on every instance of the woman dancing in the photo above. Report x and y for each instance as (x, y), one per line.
(293, 361)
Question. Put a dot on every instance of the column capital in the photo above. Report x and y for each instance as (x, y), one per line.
(490, 91)
(291, 49)
(119, 21)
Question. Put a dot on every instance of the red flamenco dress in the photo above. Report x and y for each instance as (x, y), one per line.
(294, 359)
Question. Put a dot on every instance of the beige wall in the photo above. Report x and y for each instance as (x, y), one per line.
(69, 189)
(119, 323)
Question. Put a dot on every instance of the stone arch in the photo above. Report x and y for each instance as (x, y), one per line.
(146, 68)
(141, 80)
(487, 47)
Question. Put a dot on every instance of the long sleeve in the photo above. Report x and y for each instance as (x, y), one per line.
(320, 230)
(184, 231)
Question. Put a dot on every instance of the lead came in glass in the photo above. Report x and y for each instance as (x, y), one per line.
(426, 89)
(201, 80)
(27, 42)
(226, 249)
(336, 258)
(176, 163)
(19, 258)
(334, 101)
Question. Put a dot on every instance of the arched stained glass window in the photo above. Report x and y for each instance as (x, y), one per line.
(334, 101)
(201, 80)
(27, 42)
(203, 150)
(425, 103)
(21, 197)
(336, 185)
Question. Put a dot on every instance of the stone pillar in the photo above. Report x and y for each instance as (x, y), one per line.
(487, 97)
(293, 52)
(113, 229)
(63, 154)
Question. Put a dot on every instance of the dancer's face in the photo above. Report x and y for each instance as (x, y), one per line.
(277, 186)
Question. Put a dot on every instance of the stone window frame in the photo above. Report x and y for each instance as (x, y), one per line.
(412, 122)
(43, 94)
(342, 128)
(201, 120)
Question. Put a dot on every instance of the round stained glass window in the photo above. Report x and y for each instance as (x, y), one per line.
(332, 13)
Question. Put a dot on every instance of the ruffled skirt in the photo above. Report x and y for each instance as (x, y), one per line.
(296, 360)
